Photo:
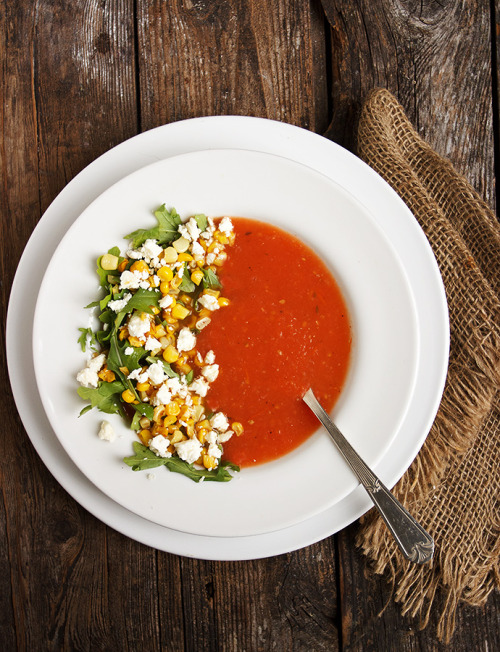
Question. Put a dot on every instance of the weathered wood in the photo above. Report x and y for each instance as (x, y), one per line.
(244, 57)
(436, 59)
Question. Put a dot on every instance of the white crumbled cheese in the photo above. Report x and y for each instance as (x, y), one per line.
(189, 450)
(156, 373)
(129, 350)
(186, 340)
(209, 302)
(134, 254)
(159, 446)
(120, 304)
(97, 363)
(152, 344)
(163, 396)
(138, 374)
(226, 226)
(151, 476)
(214, 451)
(219, 422)
(174, 385)
(197, 250)
(139, 325)
(87, 378)
(210, 258)
(199, 386)
(150, 249)
(210, 357)
(165, 301)
(128, 280)
(210, 371)
(106, 432)
(211, 437)
(225, 436)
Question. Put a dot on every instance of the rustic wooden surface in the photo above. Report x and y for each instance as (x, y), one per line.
(81, 76)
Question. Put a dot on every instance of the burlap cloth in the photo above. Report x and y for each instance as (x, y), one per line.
(452, 486)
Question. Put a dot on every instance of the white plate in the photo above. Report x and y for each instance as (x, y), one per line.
(262, 135)
(385, 340)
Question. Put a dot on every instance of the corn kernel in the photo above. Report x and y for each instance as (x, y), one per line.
(154, 310)
(202, 435)
(221, 237)
(128, 396)
(177, 436)
(237, 428)
(169, 421)
(109, 262)
(170, 354)
(175, 282)
(181, 245)
(160, 331)
(145, 422)
(123, 334)
(223, 301)
(165, 273)
(139, 266)
(164, 287)
(123, 265)
(197, 276)
(221, 259)
(134, 341)
(173, 409)
(170, 255)
(179, 311)
(145, 436)
(203, 424)
(184, 368)
(212, 293)
(142, 387)
(106, 375)
(184, 257)
(209, 462)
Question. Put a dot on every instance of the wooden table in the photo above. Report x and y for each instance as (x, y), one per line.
(80, 77)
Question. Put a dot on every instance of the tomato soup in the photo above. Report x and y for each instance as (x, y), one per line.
(285, 330)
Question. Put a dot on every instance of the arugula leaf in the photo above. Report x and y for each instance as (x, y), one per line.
(165, 231)
(105, 397)
(145, 459)
(201, 221)
(187, 284)
(142, 300)
(211, 280)
(189, 377)
(144, 410)
(87, 335)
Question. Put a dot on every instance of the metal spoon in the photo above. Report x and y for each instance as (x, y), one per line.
(415, 543)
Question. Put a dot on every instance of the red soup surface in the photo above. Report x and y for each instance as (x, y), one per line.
(285, 330)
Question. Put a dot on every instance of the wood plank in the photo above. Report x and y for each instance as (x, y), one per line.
(241, 57)
(287, 602)
(422, 53)
(69, 92)
(372, 621)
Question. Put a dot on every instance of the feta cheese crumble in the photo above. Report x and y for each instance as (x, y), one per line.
(106, 432)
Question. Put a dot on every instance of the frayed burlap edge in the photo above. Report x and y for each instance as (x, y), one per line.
(452, 486)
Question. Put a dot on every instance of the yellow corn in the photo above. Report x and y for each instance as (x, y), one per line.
(184, 368)
(127, 396)
(237, 428)
(135, 342)
(179, 311)
(169, 421)
(123, 334)
(145, 436)
(175, 282)
(106, 375)
(123, 265)
(145, 422)
(221, 237)
(139, 266)
(165, 273)
(170, 255)
(202, 435)
(197, 276)
(180, 245)
(184, 257)
(203, 424)
(160, 331)
(109, 262)
(142, 387)
(164, 287)
(177, 436)
(155, 310)
(170, 354)
(173, 409)
(223, 301)
(213, 293)
(221, 259)
(209, 462)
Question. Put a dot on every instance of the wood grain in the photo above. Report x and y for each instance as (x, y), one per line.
(435, 58)
(241, 57)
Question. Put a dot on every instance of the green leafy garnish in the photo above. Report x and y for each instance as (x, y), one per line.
(145, 459)
(166, 367)
(87, 336)
(189, 377)
(211, 280)
(164, 232)
(201, 221)
(105, 397)
(187, 284)
(143, 300)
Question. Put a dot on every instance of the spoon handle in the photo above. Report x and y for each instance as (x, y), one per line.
(415, 543)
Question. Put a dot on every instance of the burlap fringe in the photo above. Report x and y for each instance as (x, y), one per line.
(460, 454)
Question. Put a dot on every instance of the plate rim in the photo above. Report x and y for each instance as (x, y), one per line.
(151, 146)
